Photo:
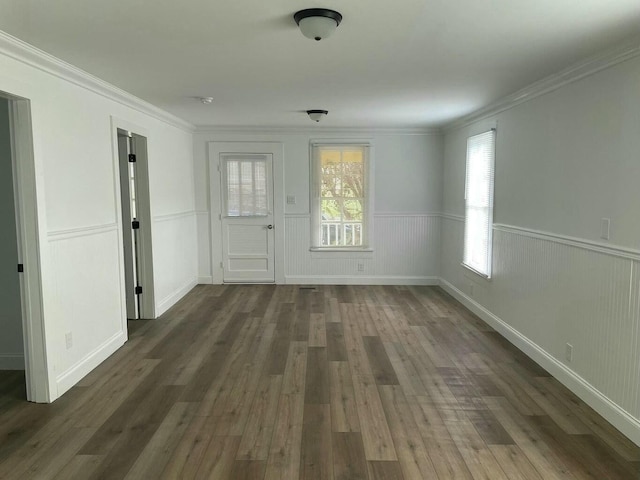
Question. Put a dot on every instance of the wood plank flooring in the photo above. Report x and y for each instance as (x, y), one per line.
(330, 382)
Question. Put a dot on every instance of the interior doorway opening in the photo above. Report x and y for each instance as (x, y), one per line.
(136, 225)
(12, 365)
(23, 360)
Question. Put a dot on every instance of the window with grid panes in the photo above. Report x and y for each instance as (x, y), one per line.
(340, 203)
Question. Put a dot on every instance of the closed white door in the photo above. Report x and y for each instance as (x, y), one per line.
(247, 217)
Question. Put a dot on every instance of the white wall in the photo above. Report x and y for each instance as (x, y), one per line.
(407, 200)
(11, 346)
(564, 161)
(76, 175)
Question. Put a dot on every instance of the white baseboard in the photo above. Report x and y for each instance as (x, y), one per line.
(11, 361)
(618, 417)
(359, 280)
(170, 300)
(76, 373)
(206, 280)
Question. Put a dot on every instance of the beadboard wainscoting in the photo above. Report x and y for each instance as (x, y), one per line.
(203, 219)
(175, 251)
(86, 328)
(548, 291)
(405, 251)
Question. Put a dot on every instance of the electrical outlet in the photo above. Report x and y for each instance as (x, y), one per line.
(291, 199)
(69, 340)
(605, 226)
(568, 352)
(360, 266)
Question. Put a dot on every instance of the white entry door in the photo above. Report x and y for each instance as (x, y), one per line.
(247, 217)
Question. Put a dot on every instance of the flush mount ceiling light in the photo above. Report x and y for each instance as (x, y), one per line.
(206, 100)
(317, 23)
(317, 115)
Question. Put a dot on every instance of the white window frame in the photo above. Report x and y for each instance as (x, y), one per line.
(482, 270)
(315, 201)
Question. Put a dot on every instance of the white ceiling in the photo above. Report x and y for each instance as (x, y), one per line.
(408, 63)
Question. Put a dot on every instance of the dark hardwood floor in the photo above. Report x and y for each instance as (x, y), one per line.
(332, 382)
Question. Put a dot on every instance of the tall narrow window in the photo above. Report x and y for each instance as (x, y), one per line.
(479, 202)
(341, 193)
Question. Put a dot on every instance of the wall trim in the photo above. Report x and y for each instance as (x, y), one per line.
(571, 74)
(599, 247)
(25, 53)
(358, 280)
(73, 375)
(401, 215)
(454, 217)
(173, 216)
(170, 300)
(57, 235)
(314, 130)
(618, 417)
(12, 361)
(376, 215)
(205, 280)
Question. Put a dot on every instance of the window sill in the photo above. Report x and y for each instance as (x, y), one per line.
(476, 273)
(327, 252)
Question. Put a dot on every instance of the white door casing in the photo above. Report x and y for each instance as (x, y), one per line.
(30, 215)
(252, 231)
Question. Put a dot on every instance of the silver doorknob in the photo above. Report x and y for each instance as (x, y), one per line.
(270, 227)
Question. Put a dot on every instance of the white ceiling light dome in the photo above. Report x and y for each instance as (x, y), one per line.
(317, 115)
(317, 23)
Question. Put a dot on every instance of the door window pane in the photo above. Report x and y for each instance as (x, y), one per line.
(246, 187)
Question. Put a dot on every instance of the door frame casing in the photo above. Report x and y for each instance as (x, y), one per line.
(28, 221)
(148, 307)
(276, 149)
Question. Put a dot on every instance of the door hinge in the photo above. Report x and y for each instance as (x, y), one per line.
(20, 268)
(221, 265)
(135, 224)
(218, 167)
(138, 290)
(132, 158)
(219, 216)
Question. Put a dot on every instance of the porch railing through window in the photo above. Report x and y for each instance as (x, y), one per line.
(341, 234)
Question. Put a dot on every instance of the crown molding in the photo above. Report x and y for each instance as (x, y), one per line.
(25, 53)
(257, 130)
(573, 73)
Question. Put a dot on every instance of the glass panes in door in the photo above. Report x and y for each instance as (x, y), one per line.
(246, 186)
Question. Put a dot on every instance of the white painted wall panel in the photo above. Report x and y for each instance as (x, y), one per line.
(76, 187)
(407, 245)
(407, 191)
(404, 247)
(176, 244)
(554, 293)
(204, 247)
(581, 144)
(96, 282)
(563, 161)
(298, 233)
